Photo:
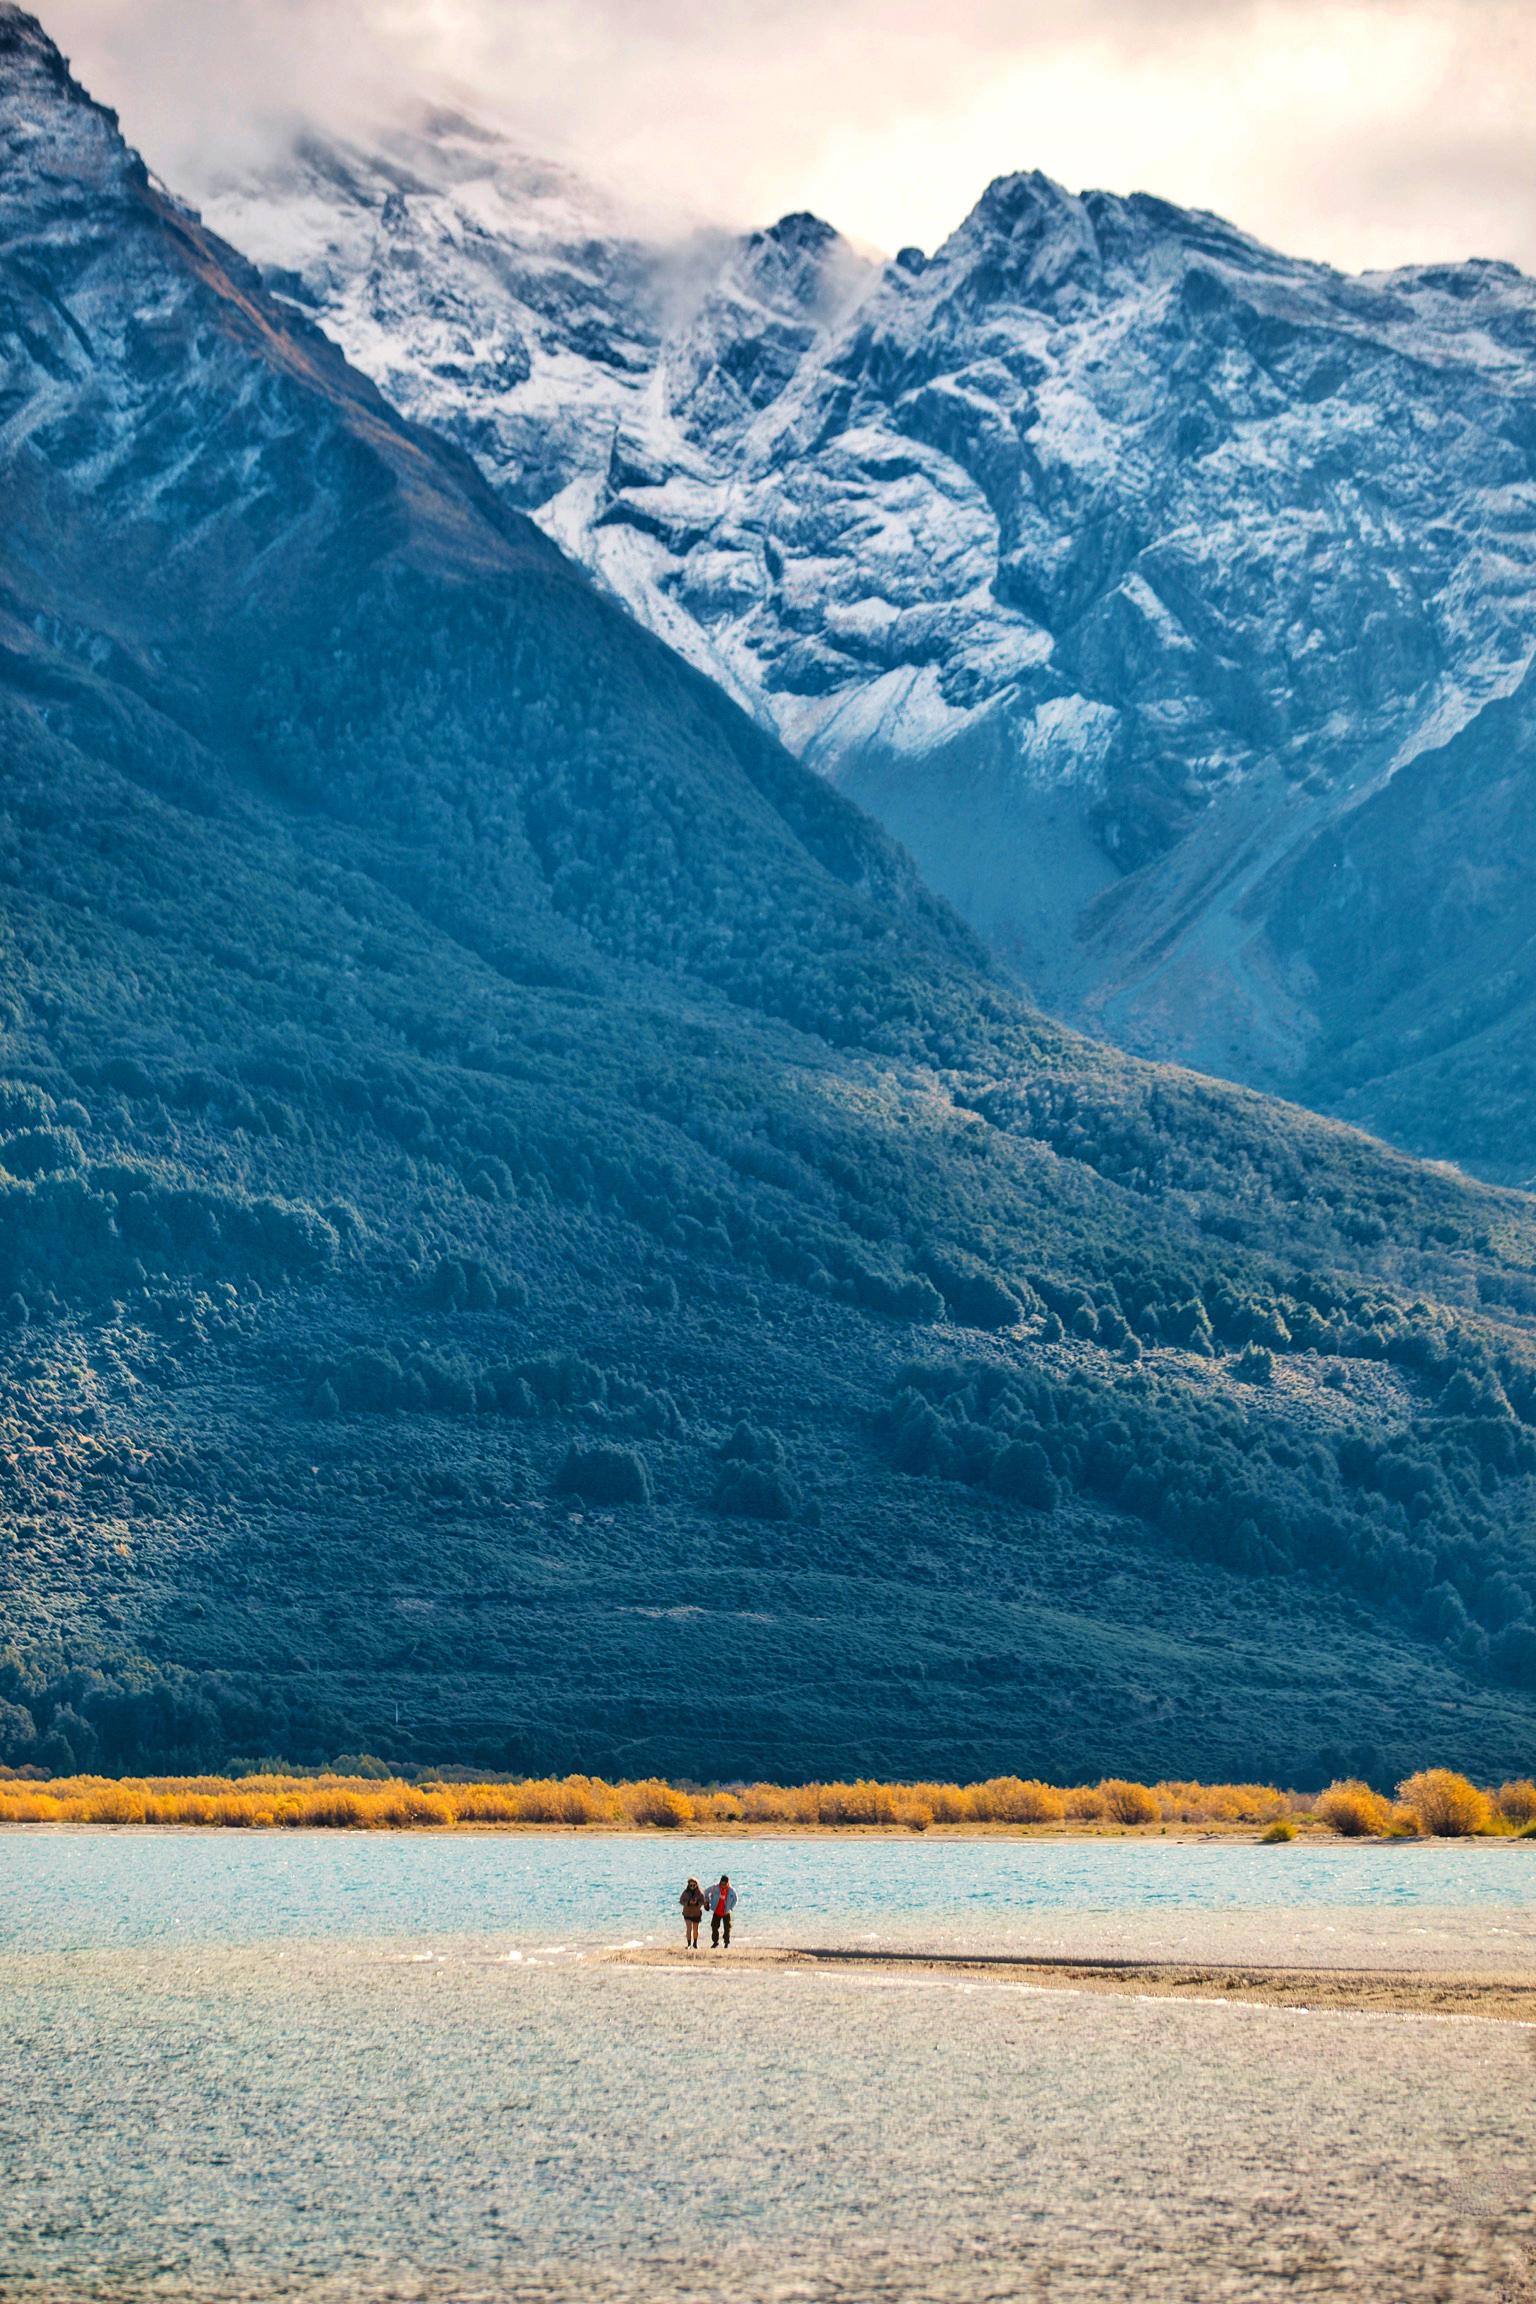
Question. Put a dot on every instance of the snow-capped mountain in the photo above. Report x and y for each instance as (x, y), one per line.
(588, 359)
(504, 298)
(455, 1065)
(1112, 559)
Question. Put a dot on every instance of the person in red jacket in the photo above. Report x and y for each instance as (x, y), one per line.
(722, 1903)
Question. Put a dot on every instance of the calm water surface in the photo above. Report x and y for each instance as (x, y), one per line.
(345, 2069)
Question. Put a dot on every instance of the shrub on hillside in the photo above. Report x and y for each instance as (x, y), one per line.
(974, 1297)
(369, 1379)
(1512, 1652)
(1447, 1806)
(604, 1475)
(754, 1481)
(1022, 1471)
(24, 1105)
(364, 1764)
(753, 1444)
(41, 1152)
(18, 1733)
(466, 1285)
(749, 1492)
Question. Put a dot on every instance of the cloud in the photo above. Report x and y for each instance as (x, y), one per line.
(1364, 131)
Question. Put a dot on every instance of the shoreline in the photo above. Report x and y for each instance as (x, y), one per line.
(1492, 1998)
(1149, 1835)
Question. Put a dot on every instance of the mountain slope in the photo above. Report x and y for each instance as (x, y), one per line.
(1114, 561)
(527, 1235)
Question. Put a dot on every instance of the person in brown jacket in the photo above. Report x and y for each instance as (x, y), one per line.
(692, 1902)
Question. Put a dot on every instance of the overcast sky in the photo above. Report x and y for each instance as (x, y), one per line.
(1368, 132)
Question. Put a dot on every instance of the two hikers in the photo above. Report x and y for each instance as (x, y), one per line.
(719, 1901)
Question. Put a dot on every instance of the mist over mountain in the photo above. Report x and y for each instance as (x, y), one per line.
(528, 1235)
(1170, 599)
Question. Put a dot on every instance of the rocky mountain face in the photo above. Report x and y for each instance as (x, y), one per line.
(1146, 583)
(519, 1212)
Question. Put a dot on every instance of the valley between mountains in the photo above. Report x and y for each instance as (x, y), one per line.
(528, 1235)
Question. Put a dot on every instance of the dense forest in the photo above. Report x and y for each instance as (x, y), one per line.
(528, 1238)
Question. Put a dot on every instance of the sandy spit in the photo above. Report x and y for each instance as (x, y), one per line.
(1376, 1991)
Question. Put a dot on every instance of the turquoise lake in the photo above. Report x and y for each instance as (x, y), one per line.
(389, 2067)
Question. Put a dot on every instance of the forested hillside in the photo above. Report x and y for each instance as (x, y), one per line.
(527, 1236)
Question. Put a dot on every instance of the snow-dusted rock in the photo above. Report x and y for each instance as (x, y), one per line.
(1112, 559)
(171, 440)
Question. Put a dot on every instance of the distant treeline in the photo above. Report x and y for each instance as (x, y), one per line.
(359, 1794)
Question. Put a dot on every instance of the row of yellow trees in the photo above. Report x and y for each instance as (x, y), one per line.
(1434, 1803)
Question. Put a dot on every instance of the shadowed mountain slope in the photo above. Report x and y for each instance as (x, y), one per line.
(526, 1235)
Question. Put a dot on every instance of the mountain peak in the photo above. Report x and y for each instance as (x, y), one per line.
(31, 63)
(801, 228)
(22, 35)
(799, 265)
(42, 105)
(1026, 237)
(1024, 198)
(1061, 235)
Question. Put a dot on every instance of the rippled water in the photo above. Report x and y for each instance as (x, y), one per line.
(379, 2068)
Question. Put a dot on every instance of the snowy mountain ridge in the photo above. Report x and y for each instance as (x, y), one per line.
(1113, 560)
